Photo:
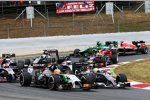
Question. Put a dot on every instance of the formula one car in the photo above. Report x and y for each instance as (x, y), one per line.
(52, 78)
(49, 57)
(89, 51)
(8, 68)
(103, 77)
(134, 47)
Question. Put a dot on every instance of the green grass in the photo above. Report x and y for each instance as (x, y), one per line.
(137, 71)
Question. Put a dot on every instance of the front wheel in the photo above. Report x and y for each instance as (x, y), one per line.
(87, 81)
(145, 50)
(54, 82)
(25, 79)
(121, 78)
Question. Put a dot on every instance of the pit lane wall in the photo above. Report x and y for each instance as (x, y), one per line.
(33, 45)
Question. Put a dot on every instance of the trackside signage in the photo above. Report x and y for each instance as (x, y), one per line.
(70, 7)
(147, 6)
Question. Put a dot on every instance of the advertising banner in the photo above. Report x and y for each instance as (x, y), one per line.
(69, 7)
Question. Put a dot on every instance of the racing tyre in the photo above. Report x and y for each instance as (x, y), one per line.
(3, 73)
(25, 79)
(114, 51)
(121, 78)
(104, 61)
(87, 81)
(20, 64)
(54, 82)
(144, 50)
(76, 52)
(115, 58)
(27, 62)
(88, 78)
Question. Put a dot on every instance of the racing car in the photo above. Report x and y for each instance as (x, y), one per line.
(89, 51)
(134, 47)
(8, 67)
(49, 56)
(105, 79)
(103, 76)
(52, 78)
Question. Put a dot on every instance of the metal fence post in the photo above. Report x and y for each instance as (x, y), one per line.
(47, 18)
(82, 29)
(44, 28)
(118, 25)
(8, 32)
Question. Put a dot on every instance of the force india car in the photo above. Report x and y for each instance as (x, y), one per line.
(48, 75)
(52, 78)
(8, 67)
(134, 47)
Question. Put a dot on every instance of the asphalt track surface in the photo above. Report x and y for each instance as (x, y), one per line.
(13, 91)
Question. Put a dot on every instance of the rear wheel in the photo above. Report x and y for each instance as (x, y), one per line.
(76, 52)
(144, 50)
(25, 79)
(54, 82)
(114, 56)
(27, 62)
(20, 64)
(104, 61)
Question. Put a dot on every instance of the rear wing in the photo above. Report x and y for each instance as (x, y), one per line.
(51, 50)
(136, 43)
(80, 64)
(114, 43)
(10, 55)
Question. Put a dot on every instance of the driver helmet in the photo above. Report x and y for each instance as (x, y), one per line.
(99, 52)
(57, 71)
(45, 52)
(96, 70)
(8, 60)
(98, 43)
(67, 58)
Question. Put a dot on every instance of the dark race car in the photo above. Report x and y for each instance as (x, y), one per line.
(105, 56)
(49, 57)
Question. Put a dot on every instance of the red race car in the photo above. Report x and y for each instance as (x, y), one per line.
(134, 47)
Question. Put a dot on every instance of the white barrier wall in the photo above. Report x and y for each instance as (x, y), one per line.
(23, 46)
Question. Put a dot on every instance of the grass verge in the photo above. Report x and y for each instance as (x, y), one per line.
(137, 71)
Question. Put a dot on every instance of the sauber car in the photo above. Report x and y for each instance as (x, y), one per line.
(103, 77)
